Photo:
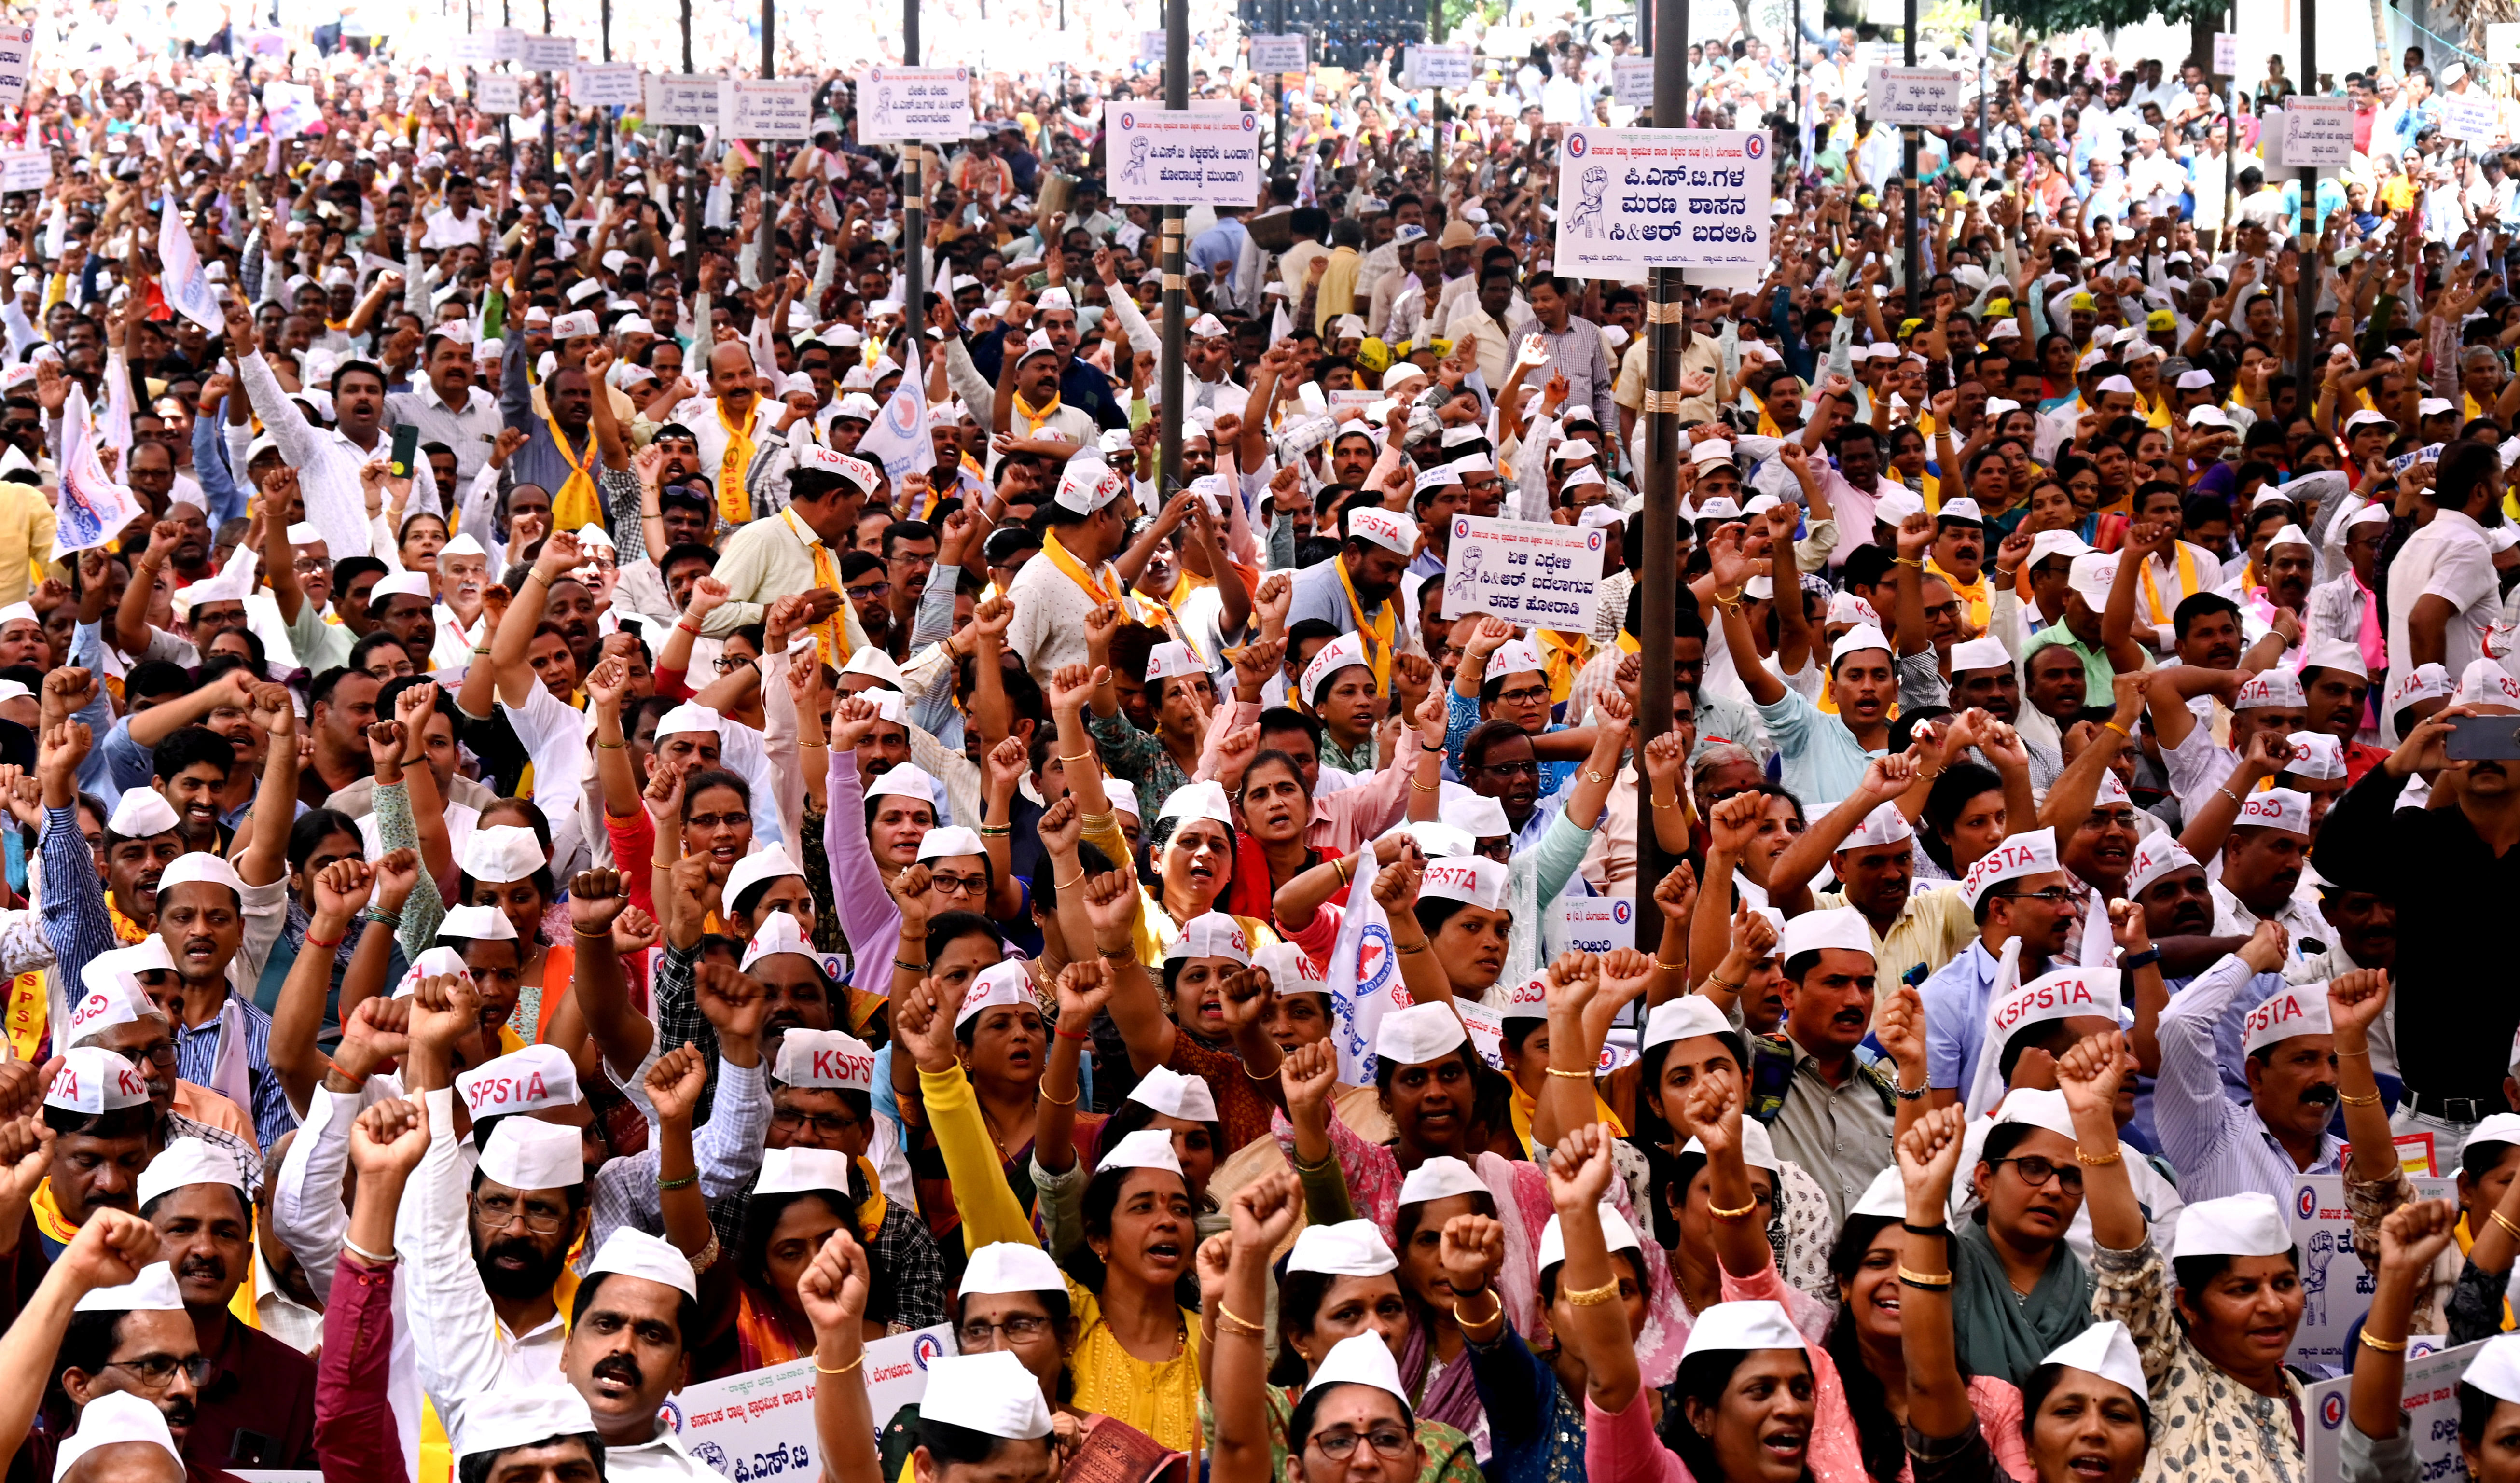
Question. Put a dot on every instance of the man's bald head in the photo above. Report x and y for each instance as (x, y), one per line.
(731, 374)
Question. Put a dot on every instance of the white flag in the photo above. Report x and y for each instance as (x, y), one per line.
(94, 508)
(1363, 975)
(230, 1076)
(898, 437)
(188, 291)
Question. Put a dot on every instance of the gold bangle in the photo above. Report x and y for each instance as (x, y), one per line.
(1916, 562)
(2506, 1223)
(1729, 600)
(1424, 788)
(2116, 1155)
(1079, 757)
(612, 746)
(1590, 1297)
(1044, 1094)
(843, 1369)
(1584, 1075)
(1339, 866)
(2352, 1101)
(1664, 802)
(1927, 1280)
(1496, 1310)
(1057, 884)
(1240, 1325)
(1661, 967)
(2385, 1346)
(2120, 730)
(1741, 1214)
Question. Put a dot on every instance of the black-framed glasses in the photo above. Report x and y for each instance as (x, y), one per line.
(1391, 1440)
(1511, 769)
(2036, 1172)
(735, 820)
(496, 1212)
(958, 885)
(161, 1051)
(830, 1125)
(871, 590)
(2054, 895)
(156, 1372)
(1018, 1327)
(1538, 695)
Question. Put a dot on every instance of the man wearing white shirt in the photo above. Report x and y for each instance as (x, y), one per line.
(2444, 593)
(461, 224)
(2260, 873)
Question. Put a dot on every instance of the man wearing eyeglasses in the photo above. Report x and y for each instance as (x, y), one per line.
(2019, 889)
(116, 1337)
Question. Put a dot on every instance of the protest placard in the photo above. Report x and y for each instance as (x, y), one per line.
(498, 92)
(2470, 116)
(1531, 575)
(2429, 1399)
(1442, 66)
(686, 99)
(25, 170)
(2317, 132)
(1184, 158)
(1632, 81)
(898, 103)
(1589, 924)
(769, 107)
(1630, 199)
(605, 85)
(17, 55)
(761, 1424)
(1279, 53)
(1924, 97)
(550, 54)
(2335, 1286)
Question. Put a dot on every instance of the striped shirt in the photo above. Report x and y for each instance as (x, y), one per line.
(197, 1058)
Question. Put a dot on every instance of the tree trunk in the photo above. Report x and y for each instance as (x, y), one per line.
(2200, 40)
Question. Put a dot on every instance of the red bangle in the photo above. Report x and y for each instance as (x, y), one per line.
(314, 941)
(686, 628)
(1072, 1034)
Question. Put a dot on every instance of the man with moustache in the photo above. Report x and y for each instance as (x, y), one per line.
(1836, 1111)
(2260, 877)
(2018, 891)
(463, 577)
(256, 1402)
(2221, 1147)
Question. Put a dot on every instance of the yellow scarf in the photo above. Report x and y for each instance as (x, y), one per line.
(1034, 416)
(436, 1453)
(49, 1223)
(733, 501)
(1525, 1105)
(2186, 581)
(1628, 643)
(1976, 598)
(125, 930)
(1056, 552)
(576, 503)
(831, 635)
(1376, 636)
(1562, 655)
(30, 1006)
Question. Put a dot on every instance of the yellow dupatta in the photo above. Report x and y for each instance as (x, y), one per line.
(1033, 416)
(2187, 583)
(1376, 636)
(831, 635)
(574, 503)
(1056, 552)
(733, 501)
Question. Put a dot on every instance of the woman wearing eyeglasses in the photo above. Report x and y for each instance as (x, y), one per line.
(1340, 1296)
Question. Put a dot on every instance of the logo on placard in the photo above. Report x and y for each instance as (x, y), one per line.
(1755, 146)
(1128, 122)
(925, 1348)
(669, 1414)
(1250, 122)
(2422, 1347)
(1576, 144)
(2331, 1411)
(1621, 910)
(2308, 1203)
(1592, 542)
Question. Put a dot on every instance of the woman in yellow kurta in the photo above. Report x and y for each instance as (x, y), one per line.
(1135, 1355)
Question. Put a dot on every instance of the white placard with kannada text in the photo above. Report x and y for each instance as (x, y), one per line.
(1630, 199)
(2429, 1398)
(1632, 81)
(2471, 117)
(25, 170)
(769, 107)
(1442, 66)
(899, 104)
(1591, 923)
(2226, 54)
(472, 48)
(2502, 41)
(17, 56)
(498, 92)
(1151, 48)
(605, 85)
(507, 43)
(761, 1424)
(1281, 54)
(1165, 159)
(684, 99)
(1529, 574)
(2335, 1288)
(1921, 97)
(550, 54)
(2318, 132)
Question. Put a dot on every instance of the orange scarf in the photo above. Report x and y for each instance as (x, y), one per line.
(1375, 636)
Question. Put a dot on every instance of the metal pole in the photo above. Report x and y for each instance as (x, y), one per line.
(691, 198)
(607, 113)
(508, 122)
(1984, 86)
(2306, 296)
(1907, 177)
(762, 263)
(551, 114)
(1176, 280)
(2231, 139)
(1278, 92)
(1658, 573)
(914, 205)
(1435, 114)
